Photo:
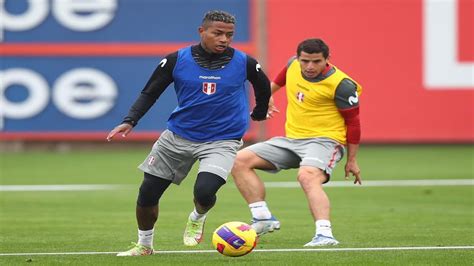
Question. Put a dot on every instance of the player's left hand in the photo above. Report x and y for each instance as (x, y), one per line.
(353, 167)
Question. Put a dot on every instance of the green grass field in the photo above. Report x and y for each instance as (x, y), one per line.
(362, 217)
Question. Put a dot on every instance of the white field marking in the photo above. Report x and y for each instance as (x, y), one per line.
(384, 183)
(59, 187)
(256, 250)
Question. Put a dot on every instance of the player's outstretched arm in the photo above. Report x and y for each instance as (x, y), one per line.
(123, 128)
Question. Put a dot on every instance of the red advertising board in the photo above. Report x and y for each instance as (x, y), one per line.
(414, 59)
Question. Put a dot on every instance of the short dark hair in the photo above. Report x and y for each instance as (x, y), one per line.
(218, 15)
(312, 46)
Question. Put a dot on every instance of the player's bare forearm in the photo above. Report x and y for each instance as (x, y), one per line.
(351, 165)
(274, 87)
(272, 109)
(352, 151)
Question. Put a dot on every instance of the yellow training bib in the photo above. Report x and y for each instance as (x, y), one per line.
(311, 110)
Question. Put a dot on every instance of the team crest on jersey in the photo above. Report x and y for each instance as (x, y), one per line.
(300, 96)
(209, 87)
(151, 160)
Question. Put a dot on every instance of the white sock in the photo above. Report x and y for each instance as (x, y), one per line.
(145, 238)
(195, 216)
(323, 227)
(260, 210)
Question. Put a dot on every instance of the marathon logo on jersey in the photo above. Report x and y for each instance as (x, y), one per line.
(300, 96)
(209, 87)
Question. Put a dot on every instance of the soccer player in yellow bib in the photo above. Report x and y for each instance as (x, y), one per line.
(322, 122)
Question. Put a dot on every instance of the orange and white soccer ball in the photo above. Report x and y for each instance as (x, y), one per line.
(234, 239)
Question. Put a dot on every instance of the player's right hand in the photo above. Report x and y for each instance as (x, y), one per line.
(123, 128)
(258, 114)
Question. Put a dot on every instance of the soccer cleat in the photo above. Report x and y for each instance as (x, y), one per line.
(263, 226)
(320, 241)
(137, 250)
(193, 232)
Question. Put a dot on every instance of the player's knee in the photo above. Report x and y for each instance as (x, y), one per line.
(205, 199)
(242, 161)
(311, 176)
(151, 190)
(204, 194)
(206, 187)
